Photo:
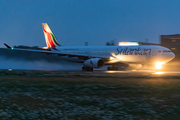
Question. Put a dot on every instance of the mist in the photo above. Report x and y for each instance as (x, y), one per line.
(37, 65)
(25, 60)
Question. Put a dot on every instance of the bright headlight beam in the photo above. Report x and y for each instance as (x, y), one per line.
(112, 58)
(159, 65)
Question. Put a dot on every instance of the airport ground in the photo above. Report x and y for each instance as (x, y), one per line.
(89, 95)
(69, 93)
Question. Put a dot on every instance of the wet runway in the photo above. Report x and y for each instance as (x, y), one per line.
(95, 73)
(135, 73)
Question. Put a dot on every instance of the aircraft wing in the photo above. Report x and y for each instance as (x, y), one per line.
(48, 52)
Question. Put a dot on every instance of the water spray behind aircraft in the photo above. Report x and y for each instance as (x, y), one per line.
(34, 65)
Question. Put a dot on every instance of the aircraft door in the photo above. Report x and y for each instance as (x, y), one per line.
(154, 53)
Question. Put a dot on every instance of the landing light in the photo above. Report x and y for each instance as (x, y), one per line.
(159, 65)
(112, 58)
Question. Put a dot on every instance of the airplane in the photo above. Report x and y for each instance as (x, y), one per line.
(97, 56)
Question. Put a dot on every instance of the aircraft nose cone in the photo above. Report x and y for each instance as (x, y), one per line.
(167, 57)
(172, 55)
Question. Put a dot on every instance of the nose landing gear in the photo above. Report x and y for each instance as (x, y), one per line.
(112, 68)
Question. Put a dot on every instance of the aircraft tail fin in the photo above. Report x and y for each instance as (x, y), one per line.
(51, 41)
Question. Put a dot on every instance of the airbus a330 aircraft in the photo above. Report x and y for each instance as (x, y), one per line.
(98, 56)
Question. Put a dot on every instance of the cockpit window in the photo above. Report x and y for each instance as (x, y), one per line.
(165, 51)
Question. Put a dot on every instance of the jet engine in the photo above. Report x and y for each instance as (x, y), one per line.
(94, 63)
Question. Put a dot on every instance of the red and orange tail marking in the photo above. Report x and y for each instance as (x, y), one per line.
(49, 36)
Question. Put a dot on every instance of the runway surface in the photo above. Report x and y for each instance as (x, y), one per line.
(95, 73)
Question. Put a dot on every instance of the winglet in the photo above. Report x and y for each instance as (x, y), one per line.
(7, 46)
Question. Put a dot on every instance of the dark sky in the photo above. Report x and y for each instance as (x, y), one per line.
(75, 22)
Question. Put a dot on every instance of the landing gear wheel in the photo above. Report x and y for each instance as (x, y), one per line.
(91, 69)
(109, 68)
(87, 68)
(83, 68)
(112, 68)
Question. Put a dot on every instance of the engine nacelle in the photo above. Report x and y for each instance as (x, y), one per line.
(94, 63)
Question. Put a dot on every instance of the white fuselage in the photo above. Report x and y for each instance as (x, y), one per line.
(143, 54)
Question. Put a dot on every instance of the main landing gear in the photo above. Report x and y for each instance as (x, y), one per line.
(120, 67)
(87, 68)
(112, 68)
